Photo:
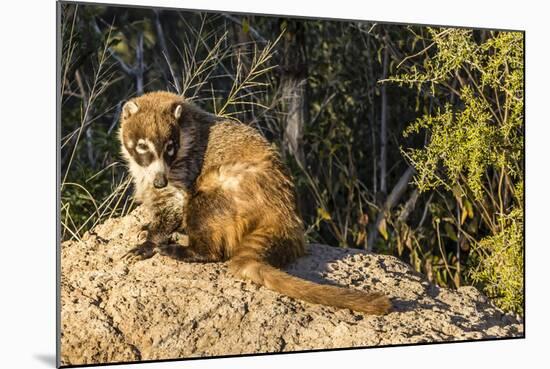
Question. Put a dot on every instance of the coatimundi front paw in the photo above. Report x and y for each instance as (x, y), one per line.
(143, 251)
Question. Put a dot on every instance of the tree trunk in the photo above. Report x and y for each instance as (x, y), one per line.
(384, 124)
(294, 128)
(293, 83)
(165, 53)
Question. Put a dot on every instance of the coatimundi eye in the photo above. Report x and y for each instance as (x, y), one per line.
(142, 148)
(170, 149)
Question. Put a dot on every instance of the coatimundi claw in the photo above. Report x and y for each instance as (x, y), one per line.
(142, 252)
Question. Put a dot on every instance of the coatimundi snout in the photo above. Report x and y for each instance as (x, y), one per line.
(224, 185)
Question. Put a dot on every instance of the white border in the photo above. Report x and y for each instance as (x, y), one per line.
(27, 193)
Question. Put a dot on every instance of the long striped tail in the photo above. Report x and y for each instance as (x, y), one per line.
(246, 264)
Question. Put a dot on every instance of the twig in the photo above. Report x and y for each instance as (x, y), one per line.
(164, 49)
(443, 255)
(384, 122)
(394, 196)
(253, 31)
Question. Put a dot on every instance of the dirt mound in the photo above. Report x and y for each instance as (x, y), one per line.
(161, 308)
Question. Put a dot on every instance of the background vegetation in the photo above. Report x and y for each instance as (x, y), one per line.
(403, 140)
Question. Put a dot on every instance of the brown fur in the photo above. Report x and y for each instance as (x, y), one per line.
(229, 191)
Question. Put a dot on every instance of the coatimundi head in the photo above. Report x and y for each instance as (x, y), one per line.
(150, 137)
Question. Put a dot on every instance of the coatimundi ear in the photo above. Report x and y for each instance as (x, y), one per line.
(178, 110)
(129, 109)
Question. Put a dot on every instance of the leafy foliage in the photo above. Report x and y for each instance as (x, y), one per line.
(475, 149)
(499, 269)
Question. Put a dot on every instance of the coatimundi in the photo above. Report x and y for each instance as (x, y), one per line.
(224, 185)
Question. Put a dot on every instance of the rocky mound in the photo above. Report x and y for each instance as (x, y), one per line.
(161, 308)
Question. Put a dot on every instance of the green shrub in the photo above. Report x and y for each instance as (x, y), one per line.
(474, 151)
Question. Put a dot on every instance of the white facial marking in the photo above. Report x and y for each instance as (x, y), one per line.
(144, 145)
(143, 177)
(156, 166)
